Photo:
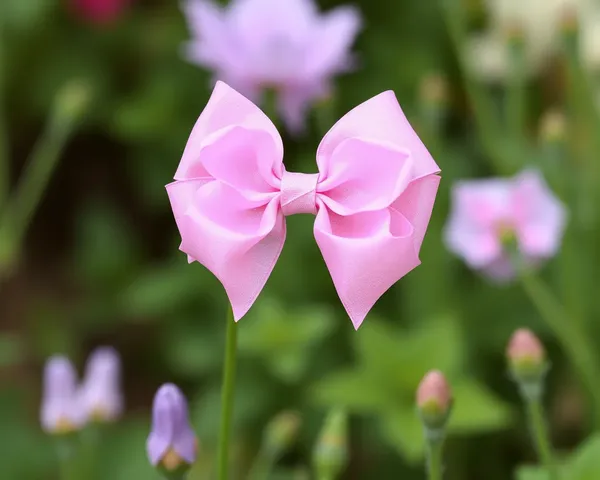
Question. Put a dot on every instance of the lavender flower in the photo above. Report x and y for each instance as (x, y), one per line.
(60, 411)
(171, 444)
(287, 46)
(100, 395)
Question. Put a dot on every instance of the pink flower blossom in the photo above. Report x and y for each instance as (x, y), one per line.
(286, 45)
(487, 214)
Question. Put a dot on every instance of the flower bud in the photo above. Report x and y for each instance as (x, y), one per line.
(171, 446)
(60, 411)
(101, 396)
(434, 400)
(281, 432)
(526, 356)
(72, 100)
(553, 127)
(331, 451)
(433, 89)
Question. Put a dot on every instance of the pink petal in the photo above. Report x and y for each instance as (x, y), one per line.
(364, 176)
(470, 233)
(225, 108)
(211, 45)
(540, 216)
(237, 240)
(379, 120)
(294, 101)
(332, 42)
(486, 203)
(366, 254)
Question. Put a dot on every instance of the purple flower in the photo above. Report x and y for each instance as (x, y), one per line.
(100, 395)
(488, 214)
(286, 45)
(60, 410)
(171, 443)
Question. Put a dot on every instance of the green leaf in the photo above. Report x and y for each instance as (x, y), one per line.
(121, 454)
(402, 429)
(585, 463)
(106, 252)
(532, 473)
(162, 289)
(282, 338)
(436, 344)
(353, 389)
(476, 409)
(192, 350)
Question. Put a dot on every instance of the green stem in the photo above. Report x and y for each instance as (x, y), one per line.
(67, 460)
(22, 206)
(434, 459)
(486, 120)
(515, 103)
(262, 466)
(227, 395)
(570, 334)
(4, 149)
(539, 433)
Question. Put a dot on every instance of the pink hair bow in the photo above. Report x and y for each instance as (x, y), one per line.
(372, 197)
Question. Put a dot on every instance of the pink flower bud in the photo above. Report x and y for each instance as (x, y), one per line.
(434, 392)
(525, 346)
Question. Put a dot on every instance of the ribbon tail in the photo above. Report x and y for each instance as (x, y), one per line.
(366, 254)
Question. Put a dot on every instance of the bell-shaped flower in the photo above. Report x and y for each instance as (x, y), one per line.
(172, 445)
(100, 394)
(60, 411)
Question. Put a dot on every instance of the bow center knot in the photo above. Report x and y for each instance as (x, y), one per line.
(299, 193)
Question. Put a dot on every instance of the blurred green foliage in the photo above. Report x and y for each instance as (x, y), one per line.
(102, 265)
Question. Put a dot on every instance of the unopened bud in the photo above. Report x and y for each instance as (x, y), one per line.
(281, 432)
(434, 89)
(526, 356)
(553, 127)
(331, 451)
(60, 412)
(514, 34)
(101, 395)
(72, 100)
(172, 446)
(569, 22)
(434, 400)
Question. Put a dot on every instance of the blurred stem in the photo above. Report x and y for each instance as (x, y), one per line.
(539, 432)
(227, 395)
(585, 127)
(569, 334)
(515, 101)
(91, 437)
(485, 119)
(4, 149)
(263, 465)
(42, 161)
(66, 454)
(434, 458)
